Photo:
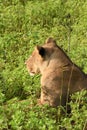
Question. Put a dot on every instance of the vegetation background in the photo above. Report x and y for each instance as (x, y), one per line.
(23, 25)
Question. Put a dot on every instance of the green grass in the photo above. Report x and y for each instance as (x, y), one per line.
(23, 25)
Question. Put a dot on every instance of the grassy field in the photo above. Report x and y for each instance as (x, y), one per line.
(23, 25)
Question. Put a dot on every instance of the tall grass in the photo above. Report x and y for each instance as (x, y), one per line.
(24, 24)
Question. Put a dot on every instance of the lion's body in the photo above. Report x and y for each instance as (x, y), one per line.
(60, 77)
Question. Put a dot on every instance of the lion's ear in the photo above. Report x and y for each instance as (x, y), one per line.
(41, 50)
(51, 41)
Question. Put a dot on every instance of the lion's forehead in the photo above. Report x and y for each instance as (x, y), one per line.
(34, 56)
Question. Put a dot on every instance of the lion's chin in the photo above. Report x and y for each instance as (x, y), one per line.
(32, 74)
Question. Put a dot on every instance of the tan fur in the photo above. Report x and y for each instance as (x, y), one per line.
(59, 76)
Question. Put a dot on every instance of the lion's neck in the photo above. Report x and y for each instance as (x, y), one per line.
(51, 68)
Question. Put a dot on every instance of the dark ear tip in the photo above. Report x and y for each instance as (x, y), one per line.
(51, 41)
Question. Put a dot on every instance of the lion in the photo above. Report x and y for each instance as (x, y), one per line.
(60, 77)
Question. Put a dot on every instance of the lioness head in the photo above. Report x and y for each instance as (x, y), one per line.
(40, 57)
